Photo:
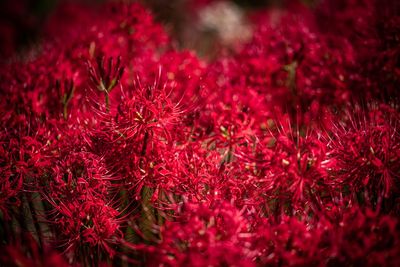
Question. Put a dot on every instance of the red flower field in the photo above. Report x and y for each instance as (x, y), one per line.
(282, 148)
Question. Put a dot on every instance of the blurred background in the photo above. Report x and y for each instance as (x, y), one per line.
(193, 24)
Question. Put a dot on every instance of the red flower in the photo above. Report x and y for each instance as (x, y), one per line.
(364, 151)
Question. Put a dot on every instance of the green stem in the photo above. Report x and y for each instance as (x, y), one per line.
(107, 102)
(35, 220)
(65, 112)
(147, 209)
(147, 216)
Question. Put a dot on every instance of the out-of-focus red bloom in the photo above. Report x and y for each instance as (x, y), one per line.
(28, 253)
(252, 159)
(364, 151)
(201, 235)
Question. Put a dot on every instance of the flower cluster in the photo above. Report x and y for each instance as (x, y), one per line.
(118, 149)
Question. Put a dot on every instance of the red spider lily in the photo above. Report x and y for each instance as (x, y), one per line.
(365, 150)
(292, 242)
(85, 221)
(142, 127)
(81, 172)
(150, 111)
(371, 27)
(365, 232)
(289, 165)
(214, 235)
(106, 77)
(345, 241)
(250, 159)
(289, 63)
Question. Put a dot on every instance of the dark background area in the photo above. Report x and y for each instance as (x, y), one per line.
(21, 21)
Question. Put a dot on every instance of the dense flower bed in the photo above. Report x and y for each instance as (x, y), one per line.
(117, 148)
